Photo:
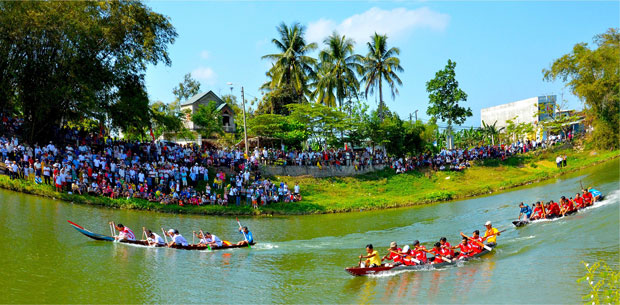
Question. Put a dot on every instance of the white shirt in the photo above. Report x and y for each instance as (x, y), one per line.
(179, 240)
(157, 239)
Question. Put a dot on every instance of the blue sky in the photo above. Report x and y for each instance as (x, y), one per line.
(500, 47)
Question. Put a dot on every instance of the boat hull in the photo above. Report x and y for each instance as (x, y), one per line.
(102, 237)
(358, 271)
(523, 223)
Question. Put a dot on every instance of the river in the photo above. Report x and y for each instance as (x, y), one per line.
(301, 259)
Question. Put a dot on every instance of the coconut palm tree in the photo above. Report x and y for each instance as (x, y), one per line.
(292, 66)
(381, 64)
(337, 70)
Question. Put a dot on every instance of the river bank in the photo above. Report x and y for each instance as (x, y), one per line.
(378, 190)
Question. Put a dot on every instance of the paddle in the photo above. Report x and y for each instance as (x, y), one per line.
(405, 256)
(479, 243)
(193, 234)
(203, 236)
(244, 237)
(445, 259)
(165, 236)
(360, 263)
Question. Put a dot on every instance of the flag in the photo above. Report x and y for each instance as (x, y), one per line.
(152, 134)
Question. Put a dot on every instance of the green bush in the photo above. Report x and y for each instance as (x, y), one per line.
(603, 282)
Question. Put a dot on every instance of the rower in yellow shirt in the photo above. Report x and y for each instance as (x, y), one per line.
(373, 258)
(490, 235)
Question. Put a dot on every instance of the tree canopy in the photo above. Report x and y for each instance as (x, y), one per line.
(381, 64)
(444, 97)
(68, 61)
(593, 75)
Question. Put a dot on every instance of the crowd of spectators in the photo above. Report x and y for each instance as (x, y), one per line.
(89, 163)
(161, 172)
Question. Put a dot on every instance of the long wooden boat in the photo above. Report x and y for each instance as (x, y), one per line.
(102, 237)
(523, 223)
(358, 271)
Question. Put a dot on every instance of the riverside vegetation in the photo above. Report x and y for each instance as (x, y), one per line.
(377, 190)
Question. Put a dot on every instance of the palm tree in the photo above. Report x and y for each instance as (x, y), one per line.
(337, 70)
(491, 130)
(292, 66)
(381, 64)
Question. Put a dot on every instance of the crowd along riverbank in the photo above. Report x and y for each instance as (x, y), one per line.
(378, 190)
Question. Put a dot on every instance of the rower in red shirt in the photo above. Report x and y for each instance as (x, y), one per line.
(554, 210)
(580, 204)
(587, 198)
(567, 206)
(419, 252)
(394, 254)
(446, 248)
(474, 242)
(436, 250)
(464, 247)
(539, 212)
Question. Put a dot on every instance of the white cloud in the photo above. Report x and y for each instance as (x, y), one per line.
(204, 54)
(205, 74)
(395, 23)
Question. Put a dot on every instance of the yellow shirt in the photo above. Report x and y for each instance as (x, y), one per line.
(375, 259)
(491, 239)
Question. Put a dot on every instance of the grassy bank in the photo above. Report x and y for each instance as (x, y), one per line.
(385, 189)
(378, 190)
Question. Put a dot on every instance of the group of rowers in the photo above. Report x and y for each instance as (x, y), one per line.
(553, 209)
(176, 239)
(442, 250)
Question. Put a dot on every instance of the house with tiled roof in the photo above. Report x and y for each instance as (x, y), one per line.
(192, 104)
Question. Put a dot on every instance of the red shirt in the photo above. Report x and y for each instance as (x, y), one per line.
(554, 208)
(437, 255)
(538, 212)
(395, 257)
(587, 197)
(446, 249)
(419, 254)
(475, 247)
(465, 249)
(579, 202)
(568, 206)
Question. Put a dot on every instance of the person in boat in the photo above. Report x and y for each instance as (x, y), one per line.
(124, 233)
(446, 248)
(372, 259)
(490, 235)
(395, 255)
(553, 209)
(212, 240)
(437, 251)
(525, 211)
(579, 203)
(153, 239)
(567, 206)
(465, 249)
(587, 198)
(177, 239)
(419, 252)
(474, 242)
(596, 195)
(247, 236)
(539, 211)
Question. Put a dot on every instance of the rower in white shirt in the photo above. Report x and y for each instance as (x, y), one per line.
(177, 239)
(154, 239)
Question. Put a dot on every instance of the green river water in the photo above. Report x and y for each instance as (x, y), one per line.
(301, 259)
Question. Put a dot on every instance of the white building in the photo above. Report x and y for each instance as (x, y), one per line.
(531, 110)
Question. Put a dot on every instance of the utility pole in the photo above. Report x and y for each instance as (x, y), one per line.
(245, 131)
(410, 118)
(416, 115)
